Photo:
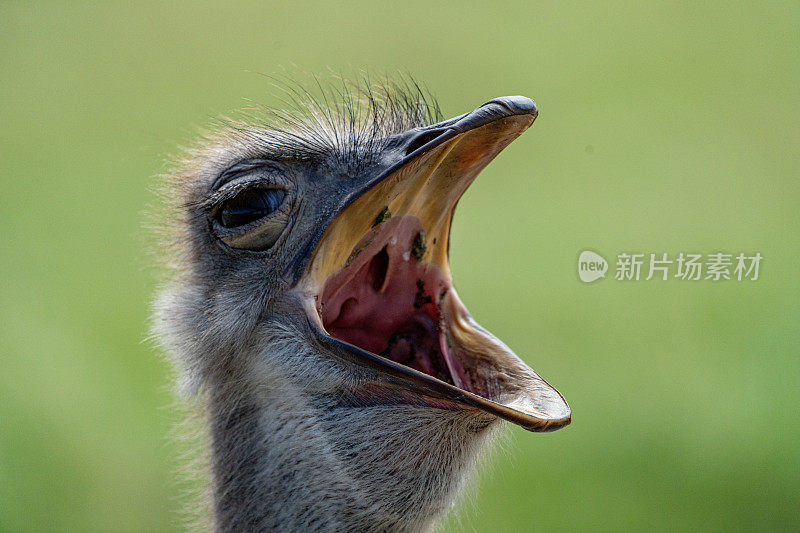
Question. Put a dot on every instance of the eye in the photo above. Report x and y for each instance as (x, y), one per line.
(248, 206)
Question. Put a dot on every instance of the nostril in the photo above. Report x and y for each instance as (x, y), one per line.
(422, 139)
(378, 268)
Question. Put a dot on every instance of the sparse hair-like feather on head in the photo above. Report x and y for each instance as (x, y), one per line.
(343, 120)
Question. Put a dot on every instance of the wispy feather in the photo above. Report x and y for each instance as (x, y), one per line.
(345, 120)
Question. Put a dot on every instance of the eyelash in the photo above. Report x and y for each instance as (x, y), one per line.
(234, 186)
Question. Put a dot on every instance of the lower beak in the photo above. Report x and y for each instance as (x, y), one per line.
(379, 292)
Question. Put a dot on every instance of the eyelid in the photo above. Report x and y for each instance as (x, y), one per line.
(254, 180)
(264, 233)
(244, 168)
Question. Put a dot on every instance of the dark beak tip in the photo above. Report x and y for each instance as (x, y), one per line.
(513, 105)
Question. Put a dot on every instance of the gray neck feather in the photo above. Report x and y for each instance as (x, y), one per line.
(289, 456)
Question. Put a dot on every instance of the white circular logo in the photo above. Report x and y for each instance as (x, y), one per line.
(591, 266)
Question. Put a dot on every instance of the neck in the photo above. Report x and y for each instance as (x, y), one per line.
(287, 458)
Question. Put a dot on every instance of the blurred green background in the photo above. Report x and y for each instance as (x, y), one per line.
(664, 127)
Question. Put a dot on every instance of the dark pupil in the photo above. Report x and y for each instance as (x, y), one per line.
(249, 206)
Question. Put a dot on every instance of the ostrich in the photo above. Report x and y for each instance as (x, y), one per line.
(311, 308)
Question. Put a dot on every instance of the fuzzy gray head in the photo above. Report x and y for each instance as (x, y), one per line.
(304, 151)
(346, 386)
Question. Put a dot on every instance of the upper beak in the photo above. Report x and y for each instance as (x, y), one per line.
(434, 167)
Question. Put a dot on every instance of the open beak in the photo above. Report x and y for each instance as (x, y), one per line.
(378, 289)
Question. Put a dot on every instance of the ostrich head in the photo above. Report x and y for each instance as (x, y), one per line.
(345, 385)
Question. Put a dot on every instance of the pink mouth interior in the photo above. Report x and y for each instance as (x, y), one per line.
(387, 301)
